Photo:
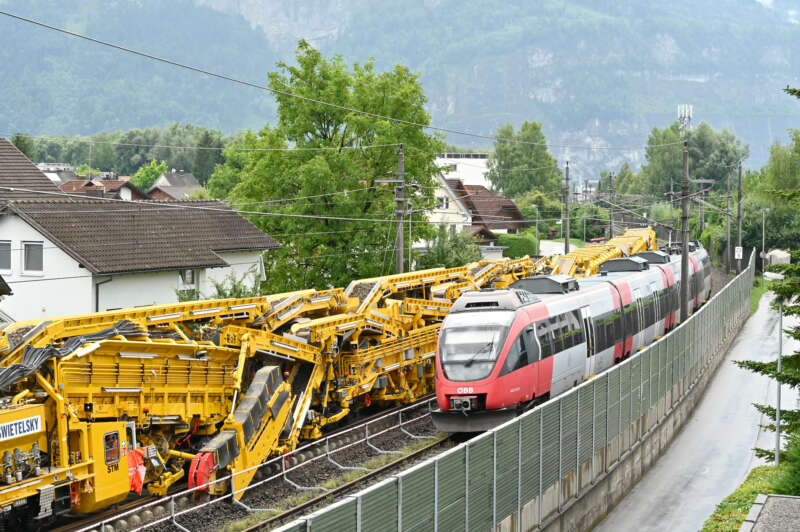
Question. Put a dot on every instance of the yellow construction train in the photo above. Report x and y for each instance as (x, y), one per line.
(99, 405)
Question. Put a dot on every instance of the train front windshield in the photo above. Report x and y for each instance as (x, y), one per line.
(471, 342)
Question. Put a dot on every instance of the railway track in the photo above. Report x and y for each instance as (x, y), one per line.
(155, 513)
(323, 499)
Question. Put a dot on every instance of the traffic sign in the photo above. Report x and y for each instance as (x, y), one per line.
(737, 254)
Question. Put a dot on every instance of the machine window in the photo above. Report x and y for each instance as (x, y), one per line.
(111, 447)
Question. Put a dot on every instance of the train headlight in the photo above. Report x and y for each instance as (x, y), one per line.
(465, 403)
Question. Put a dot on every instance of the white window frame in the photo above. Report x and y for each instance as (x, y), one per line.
(7, 270)
(25, 270)
(182, 278)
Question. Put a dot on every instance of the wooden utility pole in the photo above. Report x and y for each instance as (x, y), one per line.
(685, 234)
(739, 220)
(399, 196)
(566, 209)
(728, 228)
(611, 207)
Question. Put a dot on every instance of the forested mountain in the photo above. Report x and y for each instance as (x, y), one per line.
(591, 71)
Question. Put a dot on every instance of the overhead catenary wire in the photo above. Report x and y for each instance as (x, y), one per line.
(231, 147)
(286, 93)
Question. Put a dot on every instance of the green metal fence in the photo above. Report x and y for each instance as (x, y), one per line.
(535, 464)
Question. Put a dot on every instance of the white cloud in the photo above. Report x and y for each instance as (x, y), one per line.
(765, 3)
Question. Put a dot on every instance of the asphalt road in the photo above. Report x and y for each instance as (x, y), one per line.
(713, 453)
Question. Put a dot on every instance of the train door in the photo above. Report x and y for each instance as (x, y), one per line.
(639, 335)
(588, 329)
(658, 325)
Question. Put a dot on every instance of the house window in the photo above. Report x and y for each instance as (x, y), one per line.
(452, 230)
(446, 202)
(33, 260)
(188, 277)
(5, 254)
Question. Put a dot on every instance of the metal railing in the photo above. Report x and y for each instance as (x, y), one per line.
(535, 465)
(170, 508)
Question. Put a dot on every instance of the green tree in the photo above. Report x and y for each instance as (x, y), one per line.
(228, 174)
(788, 292)
(24, 143)
(334, 220)
(207, 156)
(595, 219)
(449, 251)
(146, 175)
(712, 155)
(517, 246)
(521, 162)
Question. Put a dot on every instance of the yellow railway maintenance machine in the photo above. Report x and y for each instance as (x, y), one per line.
(99, 405)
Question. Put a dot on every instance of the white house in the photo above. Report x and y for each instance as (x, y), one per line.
(65, 256)
(469, 168)
(449, 211)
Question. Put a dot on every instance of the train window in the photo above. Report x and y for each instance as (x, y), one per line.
(619, 327)
(111, 447)
(532, 346)
(566, 331)
(543, 332)
(576, 326)
(629, 311)
(649, 310)
(516, 358)
(558, 339)
(599, 334)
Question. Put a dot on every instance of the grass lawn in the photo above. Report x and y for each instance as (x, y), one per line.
(731, 512)
(755, 295)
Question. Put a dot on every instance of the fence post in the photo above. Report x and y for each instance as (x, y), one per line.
(466, 488)
(494, 478)
(519, 476)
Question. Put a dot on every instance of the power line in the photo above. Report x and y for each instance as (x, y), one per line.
(232, 147)
(298, 96)
(163, 206)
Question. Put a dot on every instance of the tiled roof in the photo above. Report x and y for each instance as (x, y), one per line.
(110, 187)
(77, 186)
(18, 171)
(173, 192)
(495, 212)
(110, 237)
(179, 179)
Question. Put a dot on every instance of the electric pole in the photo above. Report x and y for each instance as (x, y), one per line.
(399, 197)
(739, 220)
(685, 234)
(728, 228)
(702, 212)
(611, 207)
(566, 209)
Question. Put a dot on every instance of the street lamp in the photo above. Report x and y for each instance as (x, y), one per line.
(763, 251)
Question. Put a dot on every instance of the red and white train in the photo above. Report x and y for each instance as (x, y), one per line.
(501, 351)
